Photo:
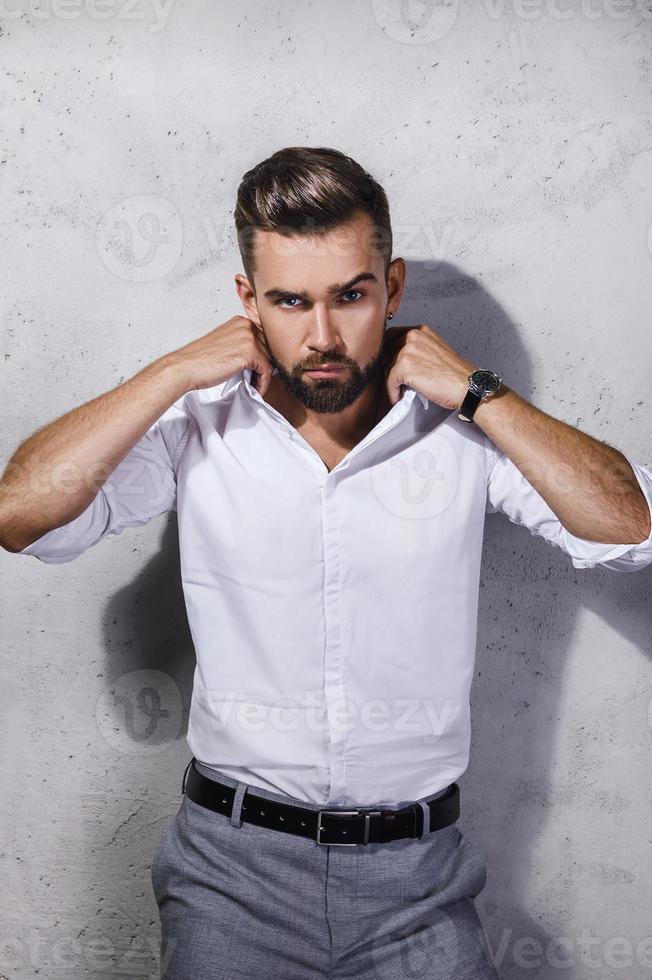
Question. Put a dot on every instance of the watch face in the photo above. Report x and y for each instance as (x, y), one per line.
(485, 381)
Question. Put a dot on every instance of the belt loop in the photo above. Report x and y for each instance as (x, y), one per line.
(240, 791)
(426, 817)
(183, 781)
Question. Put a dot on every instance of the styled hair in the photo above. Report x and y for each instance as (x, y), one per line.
(308, 190)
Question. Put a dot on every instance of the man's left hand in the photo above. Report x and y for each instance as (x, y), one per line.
(418, 357)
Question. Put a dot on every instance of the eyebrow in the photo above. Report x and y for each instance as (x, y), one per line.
(336, 287)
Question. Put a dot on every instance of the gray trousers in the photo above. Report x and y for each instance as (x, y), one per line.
(239, 901)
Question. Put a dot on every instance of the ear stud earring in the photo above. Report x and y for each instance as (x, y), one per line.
(389, 316)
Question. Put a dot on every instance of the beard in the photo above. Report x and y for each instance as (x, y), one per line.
(329, 394)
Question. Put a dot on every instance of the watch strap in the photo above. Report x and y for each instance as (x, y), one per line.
(471, 401)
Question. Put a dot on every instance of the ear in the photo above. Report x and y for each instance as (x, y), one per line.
(396, 276)
(247, 297)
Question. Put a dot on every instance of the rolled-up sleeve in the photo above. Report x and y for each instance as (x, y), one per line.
(509, 491)
(142, 486)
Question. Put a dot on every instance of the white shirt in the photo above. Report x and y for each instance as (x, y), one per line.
(333, 614)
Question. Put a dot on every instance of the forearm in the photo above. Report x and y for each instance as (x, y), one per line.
(589, 485)
(55, 474)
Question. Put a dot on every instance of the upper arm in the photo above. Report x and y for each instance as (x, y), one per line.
(509, 491)
(142, 486)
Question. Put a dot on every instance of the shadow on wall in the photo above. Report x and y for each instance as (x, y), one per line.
(530, 595)
(145, 630)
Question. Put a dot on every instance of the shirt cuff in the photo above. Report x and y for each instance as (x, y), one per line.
(586, 554)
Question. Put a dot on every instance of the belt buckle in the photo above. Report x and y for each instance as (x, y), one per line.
(346, 813)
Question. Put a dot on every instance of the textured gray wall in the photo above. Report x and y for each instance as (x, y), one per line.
(514, 142)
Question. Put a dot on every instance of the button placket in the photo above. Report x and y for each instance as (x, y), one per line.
(334, 689)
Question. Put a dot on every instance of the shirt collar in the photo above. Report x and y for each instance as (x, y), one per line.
(246, 373)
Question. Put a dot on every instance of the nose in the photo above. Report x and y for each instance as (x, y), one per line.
(323, 334)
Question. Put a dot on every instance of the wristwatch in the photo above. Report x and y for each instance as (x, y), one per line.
(482, 384)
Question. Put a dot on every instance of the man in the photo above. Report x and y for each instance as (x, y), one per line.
(331, 479)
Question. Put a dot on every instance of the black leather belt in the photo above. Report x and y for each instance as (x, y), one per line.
(332, 826)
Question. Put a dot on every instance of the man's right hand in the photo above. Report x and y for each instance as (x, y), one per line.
(236, 344)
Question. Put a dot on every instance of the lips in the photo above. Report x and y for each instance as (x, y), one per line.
(327, 368)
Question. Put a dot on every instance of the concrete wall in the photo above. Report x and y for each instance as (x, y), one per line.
(514, 142)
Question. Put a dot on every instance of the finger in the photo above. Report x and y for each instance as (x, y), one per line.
(262, 367)
(393, 386)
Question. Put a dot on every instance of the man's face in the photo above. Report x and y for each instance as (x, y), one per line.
(323, 300)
